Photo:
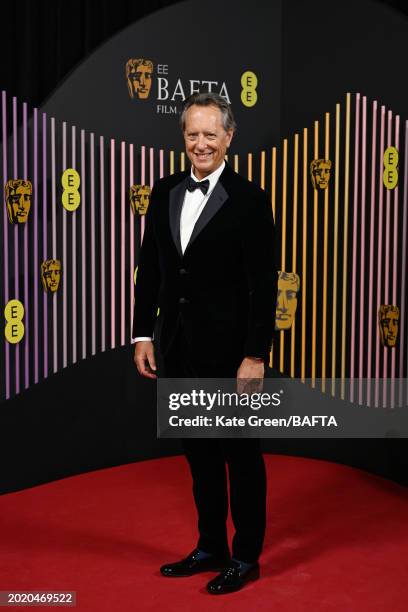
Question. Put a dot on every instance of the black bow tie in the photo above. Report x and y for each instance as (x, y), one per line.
(203, 185)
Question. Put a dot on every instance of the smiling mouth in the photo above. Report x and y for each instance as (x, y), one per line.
(203, 155)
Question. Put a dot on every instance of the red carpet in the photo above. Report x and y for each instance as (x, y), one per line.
(337, 540)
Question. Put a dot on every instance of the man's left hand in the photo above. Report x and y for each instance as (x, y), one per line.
(250, 375)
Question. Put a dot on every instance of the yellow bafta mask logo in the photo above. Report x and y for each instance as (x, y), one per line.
(320, 173)
(139, 77)
(18, 200)
(51, 275)
(388, 320)
(139, 199)
(286, 304)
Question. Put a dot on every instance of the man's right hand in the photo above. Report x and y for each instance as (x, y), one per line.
(144, 358)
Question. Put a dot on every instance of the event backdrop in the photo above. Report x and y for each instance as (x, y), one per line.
(77, 174)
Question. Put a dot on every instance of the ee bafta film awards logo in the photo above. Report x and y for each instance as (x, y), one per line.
(168, 91)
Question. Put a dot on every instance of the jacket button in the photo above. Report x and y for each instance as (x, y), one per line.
(183, 300)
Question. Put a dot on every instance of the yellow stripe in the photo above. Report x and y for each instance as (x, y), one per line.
(325, 239)
(304, 254)
(263, 169)
(283, 262)
(249, 166)
(294, 246)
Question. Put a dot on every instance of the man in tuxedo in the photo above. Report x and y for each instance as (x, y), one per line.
(207, 261)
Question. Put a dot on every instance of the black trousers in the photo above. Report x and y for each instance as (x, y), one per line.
(208, 459)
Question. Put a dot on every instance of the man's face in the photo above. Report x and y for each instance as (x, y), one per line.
(19, 203)
(389, 320)
(205, 139)
(140, 78)
(140, 198)
(321, 174)
(52, 277)
(286, 303)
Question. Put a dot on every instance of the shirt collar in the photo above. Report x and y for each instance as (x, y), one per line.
(213, 177)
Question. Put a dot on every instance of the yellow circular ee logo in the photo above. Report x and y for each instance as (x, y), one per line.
(14, 313)
(249, 82)
(70, 196)
(390, 174)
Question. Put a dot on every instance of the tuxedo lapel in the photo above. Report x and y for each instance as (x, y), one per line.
(215, 201)
(176, 199)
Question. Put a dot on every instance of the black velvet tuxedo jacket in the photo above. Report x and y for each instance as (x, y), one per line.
(223, 289)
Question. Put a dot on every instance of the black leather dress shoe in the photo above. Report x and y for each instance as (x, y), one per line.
(232, 578)
(194, 565)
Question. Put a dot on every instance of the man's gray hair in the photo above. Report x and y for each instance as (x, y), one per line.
(209, 99)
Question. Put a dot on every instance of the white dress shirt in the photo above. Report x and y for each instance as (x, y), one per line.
(193, 206)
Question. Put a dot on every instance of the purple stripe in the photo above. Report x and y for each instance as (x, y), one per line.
(123, 242)
(354, 261)
(93, 263)
(5, 235)
(83, 267)
(26, 271)
(16, 249)
(44, 235)
(73, 215)
(112, 236)
(131, 239)
(36, 254)
(54, 246)
(371, 305)
(93, 232)
(65, 258)
(102, 197)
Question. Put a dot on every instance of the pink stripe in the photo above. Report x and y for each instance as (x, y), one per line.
(387, 258)
(143, 182)
(44, 237)
(403, 272)
(395, 264)
(362, 246)
(112, 252)
(379, 252)
(83, 268)
(16, 249)
(131, 240)
(54, 244)
(102, 234)
(354, 261)
(74, 254)
(93, 246)
(36, 254)
(161, 162)
(5, 236)
(26, 272)
(65, 257)
(122, 242)
(370, 331)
